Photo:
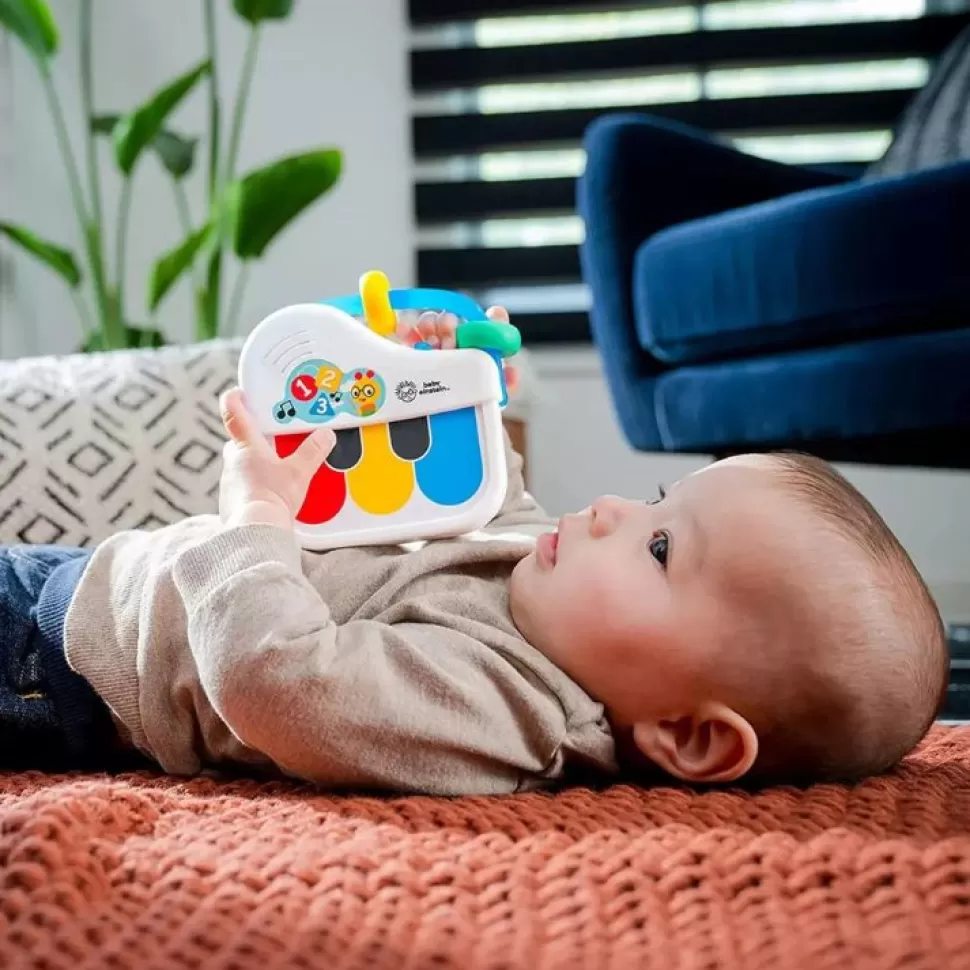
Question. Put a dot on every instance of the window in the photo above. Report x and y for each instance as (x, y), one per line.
(503, 90)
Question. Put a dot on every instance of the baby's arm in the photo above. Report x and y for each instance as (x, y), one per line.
(404, 706)
(408, 706)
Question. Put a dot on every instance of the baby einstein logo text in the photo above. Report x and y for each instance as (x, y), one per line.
(433, 387)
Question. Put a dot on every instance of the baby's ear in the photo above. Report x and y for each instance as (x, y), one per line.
(715, 744)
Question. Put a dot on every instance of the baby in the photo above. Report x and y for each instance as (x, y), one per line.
(759, 622)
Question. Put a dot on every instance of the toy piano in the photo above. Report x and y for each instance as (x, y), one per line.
(420, 451)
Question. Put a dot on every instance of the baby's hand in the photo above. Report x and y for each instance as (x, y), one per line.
(435, 329)
(438, 331)
(257, 486)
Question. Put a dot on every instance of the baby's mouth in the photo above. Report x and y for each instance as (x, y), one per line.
(547, 548)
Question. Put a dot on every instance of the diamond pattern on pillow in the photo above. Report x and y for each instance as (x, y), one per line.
(94, 444)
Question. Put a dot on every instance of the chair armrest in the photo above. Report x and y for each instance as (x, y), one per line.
(867, 260)
(644, 174)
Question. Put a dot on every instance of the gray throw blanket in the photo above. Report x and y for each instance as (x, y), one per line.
(935, 128)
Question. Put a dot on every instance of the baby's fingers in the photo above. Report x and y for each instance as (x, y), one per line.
(238, 421)
(405, 329)
(438, 329)
(512, 378)
(447, 330)
(427, 328)
(500, 315)
(312, 453)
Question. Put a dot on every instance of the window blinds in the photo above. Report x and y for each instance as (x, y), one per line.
(503, 90)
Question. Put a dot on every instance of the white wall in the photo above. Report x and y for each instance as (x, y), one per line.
(335, 74)
(577, 452)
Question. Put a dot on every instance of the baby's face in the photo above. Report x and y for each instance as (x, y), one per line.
(636, 600)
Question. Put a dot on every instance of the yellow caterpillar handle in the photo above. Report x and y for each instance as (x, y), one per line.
(375, 289)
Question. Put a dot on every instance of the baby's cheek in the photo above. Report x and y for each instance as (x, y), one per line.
(588, 596)
(623, 599)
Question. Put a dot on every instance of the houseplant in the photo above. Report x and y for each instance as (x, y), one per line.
(245, 214)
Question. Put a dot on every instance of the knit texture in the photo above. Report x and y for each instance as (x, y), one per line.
(146, 872)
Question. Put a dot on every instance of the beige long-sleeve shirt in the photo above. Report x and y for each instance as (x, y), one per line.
(389, 667)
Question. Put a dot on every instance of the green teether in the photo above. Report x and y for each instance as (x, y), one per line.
(492, 335)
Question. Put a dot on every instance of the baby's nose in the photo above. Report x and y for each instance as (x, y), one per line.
(608, 511)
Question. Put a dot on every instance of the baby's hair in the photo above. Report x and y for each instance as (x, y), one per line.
(880, 680)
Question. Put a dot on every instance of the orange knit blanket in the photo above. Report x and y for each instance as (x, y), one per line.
(143, 872)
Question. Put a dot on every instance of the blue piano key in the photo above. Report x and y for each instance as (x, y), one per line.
(452, 470)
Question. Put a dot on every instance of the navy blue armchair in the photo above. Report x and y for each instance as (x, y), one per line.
(741, 304)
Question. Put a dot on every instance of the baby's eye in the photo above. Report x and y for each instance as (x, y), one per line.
(661, 495)
(660, 548)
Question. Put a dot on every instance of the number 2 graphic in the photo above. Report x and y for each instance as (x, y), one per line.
(328, 379)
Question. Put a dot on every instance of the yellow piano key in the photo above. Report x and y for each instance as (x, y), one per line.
(380, 483)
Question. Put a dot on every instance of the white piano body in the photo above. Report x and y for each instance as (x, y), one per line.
(420, 450)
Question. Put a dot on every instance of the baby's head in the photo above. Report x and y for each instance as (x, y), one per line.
(759, 621)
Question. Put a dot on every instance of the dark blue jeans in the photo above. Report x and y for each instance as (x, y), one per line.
(50, 717)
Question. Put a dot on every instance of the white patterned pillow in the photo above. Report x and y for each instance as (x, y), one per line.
(93, 444)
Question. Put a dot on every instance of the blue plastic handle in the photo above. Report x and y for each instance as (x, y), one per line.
(417, 298)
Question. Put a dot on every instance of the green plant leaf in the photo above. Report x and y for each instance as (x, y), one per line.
(138, 129)
(104, 124)
(208, 299)
(168, 269)
(256, 11)
(176, 152)
(135, 337)
(58, 259)
(33, 23)
(264, 202)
